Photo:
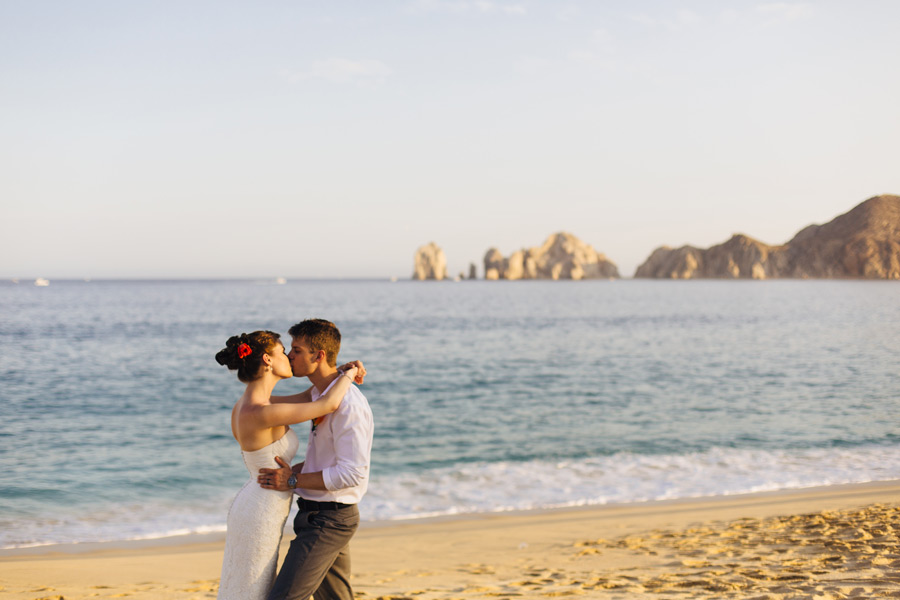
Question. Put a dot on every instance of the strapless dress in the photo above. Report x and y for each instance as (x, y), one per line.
(255, 525)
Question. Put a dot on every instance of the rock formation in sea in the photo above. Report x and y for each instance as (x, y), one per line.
(863, 243)
(430, 263)
(739, 257)
(562, 256)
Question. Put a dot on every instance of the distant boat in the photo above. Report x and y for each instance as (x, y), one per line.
(41, 282)
(15, 281)
(280, 280)
(393, 280)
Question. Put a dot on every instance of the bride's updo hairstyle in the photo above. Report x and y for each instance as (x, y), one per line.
(243, 353)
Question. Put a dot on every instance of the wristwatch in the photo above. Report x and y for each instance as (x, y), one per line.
(292, 481)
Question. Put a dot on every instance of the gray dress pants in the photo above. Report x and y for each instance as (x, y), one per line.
(318, 561)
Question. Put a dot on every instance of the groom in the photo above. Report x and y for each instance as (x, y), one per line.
(331, 481)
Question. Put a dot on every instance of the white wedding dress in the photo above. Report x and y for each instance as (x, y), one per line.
(255, 524)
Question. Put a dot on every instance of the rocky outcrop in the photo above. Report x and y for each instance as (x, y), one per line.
(741, 257)
(562, 256)
(863, 243)
(494, 266)
(430, 263)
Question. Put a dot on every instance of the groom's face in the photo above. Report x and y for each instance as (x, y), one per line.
(303, 359)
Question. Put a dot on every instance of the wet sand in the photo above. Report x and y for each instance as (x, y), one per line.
(833, 543)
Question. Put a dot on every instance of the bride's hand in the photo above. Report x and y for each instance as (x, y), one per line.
(360, 373)
(351, 373)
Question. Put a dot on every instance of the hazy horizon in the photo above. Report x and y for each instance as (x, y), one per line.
(273, 278)
(227, 140)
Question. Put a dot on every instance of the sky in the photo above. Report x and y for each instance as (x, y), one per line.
(332, 139)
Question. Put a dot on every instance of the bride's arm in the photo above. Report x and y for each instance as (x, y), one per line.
(287, 413)
(304, 396)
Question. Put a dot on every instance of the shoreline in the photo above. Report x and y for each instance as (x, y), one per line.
(682, 548)
(191, 539)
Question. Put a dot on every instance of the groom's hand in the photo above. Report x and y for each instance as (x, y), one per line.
(275, 479)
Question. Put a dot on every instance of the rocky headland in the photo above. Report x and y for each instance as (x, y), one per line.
(430, 263)
(562, 256)
(863, 243)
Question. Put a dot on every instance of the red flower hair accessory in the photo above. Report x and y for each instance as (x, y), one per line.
(244, 350)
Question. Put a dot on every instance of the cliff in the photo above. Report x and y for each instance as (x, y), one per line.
(562, 256)
(863, 243)
(429, 263)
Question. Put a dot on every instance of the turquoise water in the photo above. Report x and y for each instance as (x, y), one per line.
(487, 395)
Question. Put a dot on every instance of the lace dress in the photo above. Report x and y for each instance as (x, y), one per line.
(255, 524)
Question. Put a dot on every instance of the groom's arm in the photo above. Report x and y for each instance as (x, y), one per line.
(277, 479)
(352, 426)
(352, 442)
(309, 481)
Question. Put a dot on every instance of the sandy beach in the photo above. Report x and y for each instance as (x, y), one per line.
(833, 542)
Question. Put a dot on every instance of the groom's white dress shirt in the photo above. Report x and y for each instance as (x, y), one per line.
(341, 447)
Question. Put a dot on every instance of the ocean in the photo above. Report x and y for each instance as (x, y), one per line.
(487, 396)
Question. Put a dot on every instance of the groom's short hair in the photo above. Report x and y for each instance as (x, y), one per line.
(319, 334)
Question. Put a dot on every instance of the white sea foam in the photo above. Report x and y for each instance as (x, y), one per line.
(114, 523)
(505, 486)
(624, 477)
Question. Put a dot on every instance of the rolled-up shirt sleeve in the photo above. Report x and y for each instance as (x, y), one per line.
(352, 444)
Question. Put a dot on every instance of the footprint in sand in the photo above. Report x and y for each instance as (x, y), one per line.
(527, 583)
(483, 589)
(204, 588)
(479, 569)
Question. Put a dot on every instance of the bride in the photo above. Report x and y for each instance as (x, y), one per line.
(260, 424)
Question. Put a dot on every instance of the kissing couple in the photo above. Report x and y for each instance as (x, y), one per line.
(328, 485)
